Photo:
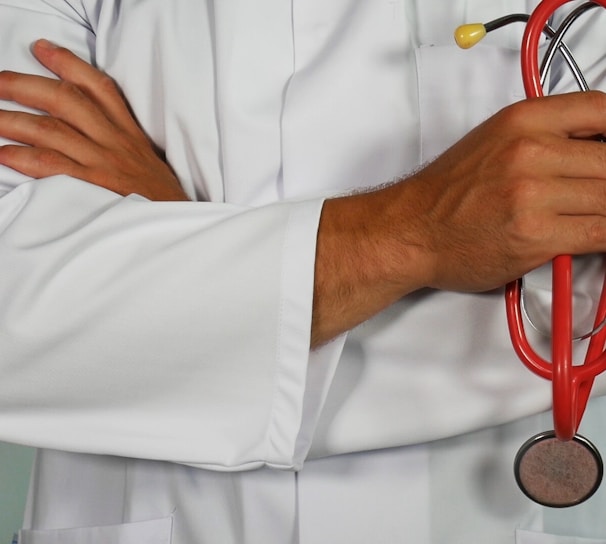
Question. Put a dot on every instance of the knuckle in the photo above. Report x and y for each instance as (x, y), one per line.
(517, 148)
(67, 92)
(523, 198)
(46, 124)
(522, 150)
(66, 87)
(596, 233)
(49, 161)
(7, 76)
(597, 100)
(526, 226)
(106, 84)
(521, 192)
(516, 114)
(9, 83)
(9, 153)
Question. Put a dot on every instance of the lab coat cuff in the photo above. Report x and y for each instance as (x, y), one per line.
(302, 376)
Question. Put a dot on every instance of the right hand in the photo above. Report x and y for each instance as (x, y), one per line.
(523, 187)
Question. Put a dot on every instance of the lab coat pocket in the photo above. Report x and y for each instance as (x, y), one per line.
(531, 537)
(145, 532)
(458, 89)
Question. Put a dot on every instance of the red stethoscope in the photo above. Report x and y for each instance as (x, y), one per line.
(557, 468)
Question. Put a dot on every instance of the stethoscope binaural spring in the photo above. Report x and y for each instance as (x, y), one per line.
(556, 468)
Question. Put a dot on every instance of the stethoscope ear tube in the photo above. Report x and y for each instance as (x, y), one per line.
(538, 20)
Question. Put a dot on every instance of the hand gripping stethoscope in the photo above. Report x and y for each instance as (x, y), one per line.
(557, 468)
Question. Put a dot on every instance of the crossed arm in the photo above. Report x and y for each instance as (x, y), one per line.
(521, 188)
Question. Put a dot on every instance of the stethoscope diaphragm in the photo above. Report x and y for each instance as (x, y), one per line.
(558, 473)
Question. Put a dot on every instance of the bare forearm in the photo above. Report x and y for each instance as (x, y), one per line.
(514, 193)
(364, 262)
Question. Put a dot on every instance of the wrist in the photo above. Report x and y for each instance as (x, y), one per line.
(368, 256)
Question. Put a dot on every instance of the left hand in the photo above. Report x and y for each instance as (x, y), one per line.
(89, 132)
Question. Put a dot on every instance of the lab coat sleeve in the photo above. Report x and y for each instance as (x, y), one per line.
(173, 331)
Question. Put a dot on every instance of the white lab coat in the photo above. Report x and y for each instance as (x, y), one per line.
(157, 353)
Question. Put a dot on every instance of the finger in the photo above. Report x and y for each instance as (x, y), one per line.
(581, 197)
(581, 235)
(577, 159)
(59, 99)
(47, 132)
(561, 197)
(577, 115)
(95, 83)
(540, 155)
(585, 115)
(39, 162)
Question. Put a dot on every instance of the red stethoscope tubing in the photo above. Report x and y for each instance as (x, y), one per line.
(571, 384)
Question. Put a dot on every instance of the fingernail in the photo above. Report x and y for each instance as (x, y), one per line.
(45, 44)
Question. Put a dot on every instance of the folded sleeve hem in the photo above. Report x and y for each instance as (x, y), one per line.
(302, 376)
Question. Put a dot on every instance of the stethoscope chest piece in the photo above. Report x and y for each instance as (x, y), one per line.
(558, 473)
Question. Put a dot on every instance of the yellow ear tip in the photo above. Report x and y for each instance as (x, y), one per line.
(467, 36)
